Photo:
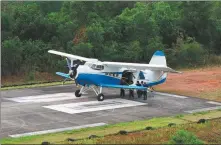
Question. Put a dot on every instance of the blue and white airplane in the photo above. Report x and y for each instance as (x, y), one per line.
(93, 74)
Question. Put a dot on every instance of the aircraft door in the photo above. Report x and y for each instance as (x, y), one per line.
(128, 77)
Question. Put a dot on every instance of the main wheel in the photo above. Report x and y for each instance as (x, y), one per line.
(100, 97)
(77, 93)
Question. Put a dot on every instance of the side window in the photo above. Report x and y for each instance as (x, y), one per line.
(97, 67)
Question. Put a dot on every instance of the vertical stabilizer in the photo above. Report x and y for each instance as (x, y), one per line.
(158, 58)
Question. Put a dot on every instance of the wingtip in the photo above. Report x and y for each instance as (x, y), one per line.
(49, 51)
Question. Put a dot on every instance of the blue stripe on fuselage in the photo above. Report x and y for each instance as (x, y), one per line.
(96, 79)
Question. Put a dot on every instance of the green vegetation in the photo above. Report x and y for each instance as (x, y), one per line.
(154, 125)
(188, 32)
(35, 85)
(184, 137)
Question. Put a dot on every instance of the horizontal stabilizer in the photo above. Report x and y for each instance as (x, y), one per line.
(63, 75)
(123, 86)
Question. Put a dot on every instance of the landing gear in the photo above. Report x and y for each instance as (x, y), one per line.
(77, 93)
(98, 92)
(100, 97)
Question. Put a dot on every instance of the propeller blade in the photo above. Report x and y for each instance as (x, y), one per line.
(68, 63)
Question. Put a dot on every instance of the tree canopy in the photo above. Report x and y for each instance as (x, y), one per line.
(115, 31)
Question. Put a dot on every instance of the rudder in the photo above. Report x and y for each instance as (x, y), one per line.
(158, 58)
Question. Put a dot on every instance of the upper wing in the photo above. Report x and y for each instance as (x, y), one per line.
(141, 66)
(73, 57)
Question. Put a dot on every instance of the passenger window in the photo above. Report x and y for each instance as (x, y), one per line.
(97, 67)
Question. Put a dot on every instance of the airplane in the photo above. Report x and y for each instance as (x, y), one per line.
(92, 74)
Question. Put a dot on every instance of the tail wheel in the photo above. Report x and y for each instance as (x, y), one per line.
(100, 97)
(77, 93)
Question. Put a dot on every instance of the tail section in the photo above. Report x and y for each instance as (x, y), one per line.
(158, 58)
(156, 77)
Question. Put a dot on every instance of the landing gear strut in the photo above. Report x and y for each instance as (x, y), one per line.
(98, 92)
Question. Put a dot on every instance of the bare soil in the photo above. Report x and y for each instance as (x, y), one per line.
(203, 83)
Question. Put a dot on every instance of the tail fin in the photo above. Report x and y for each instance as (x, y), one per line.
(158, 58)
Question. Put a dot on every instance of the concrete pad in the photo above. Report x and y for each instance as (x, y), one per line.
(27, 114)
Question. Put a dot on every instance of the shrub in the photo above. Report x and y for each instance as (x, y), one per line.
(70, 139)
(185, 137)
(45, 143)
(191, 54)
(92, 136)
(171, 124)
(149, 128)
(122, 132)
(31, 76)
(179, 116)
(201, 121)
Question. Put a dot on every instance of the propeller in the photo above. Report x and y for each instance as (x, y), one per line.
(72, 70)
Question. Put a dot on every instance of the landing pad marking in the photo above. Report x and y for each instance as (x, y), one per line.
(44, 98)
(81, 107)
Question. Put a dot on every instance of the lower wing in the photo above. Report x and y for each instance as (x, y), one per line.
(63, 75)
(123, 86)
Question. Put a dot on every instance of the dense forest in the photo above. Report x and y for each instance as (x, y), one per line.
(188, 32)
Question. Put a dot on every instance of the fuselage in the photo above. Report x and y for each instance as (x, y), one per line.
(91, 74)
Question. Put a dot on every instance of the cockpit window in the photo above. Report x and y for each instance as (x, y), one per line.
(97, 67)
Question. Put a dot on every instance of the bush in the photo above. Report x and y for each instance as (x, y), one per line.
(185, 137)
(214, 60)
(70, 139)
(31, 76)
(122, 132)
(191, 54)
(149, 128)
(92, 136)
(171, 124)
(201, 121)
(45, 143)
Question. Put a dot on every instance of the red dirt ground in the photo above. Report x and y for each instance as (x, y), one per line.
(193, 82)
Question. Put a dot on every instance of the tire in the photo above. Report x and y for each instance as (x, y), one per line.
(77, 93)
(100, 97)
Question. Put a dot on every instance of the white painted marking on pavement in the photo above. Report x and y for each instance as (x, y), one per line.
(171, 95)
(58, 130)
(44, 98)
(80, 107)
(212, 102)
(203, 109)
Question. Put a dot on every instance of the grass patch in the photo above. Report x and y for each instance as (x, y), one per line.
(36, 85)
(99, 131)
(205, 115)
(208, 132)
(102, 131)
(213, 95)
